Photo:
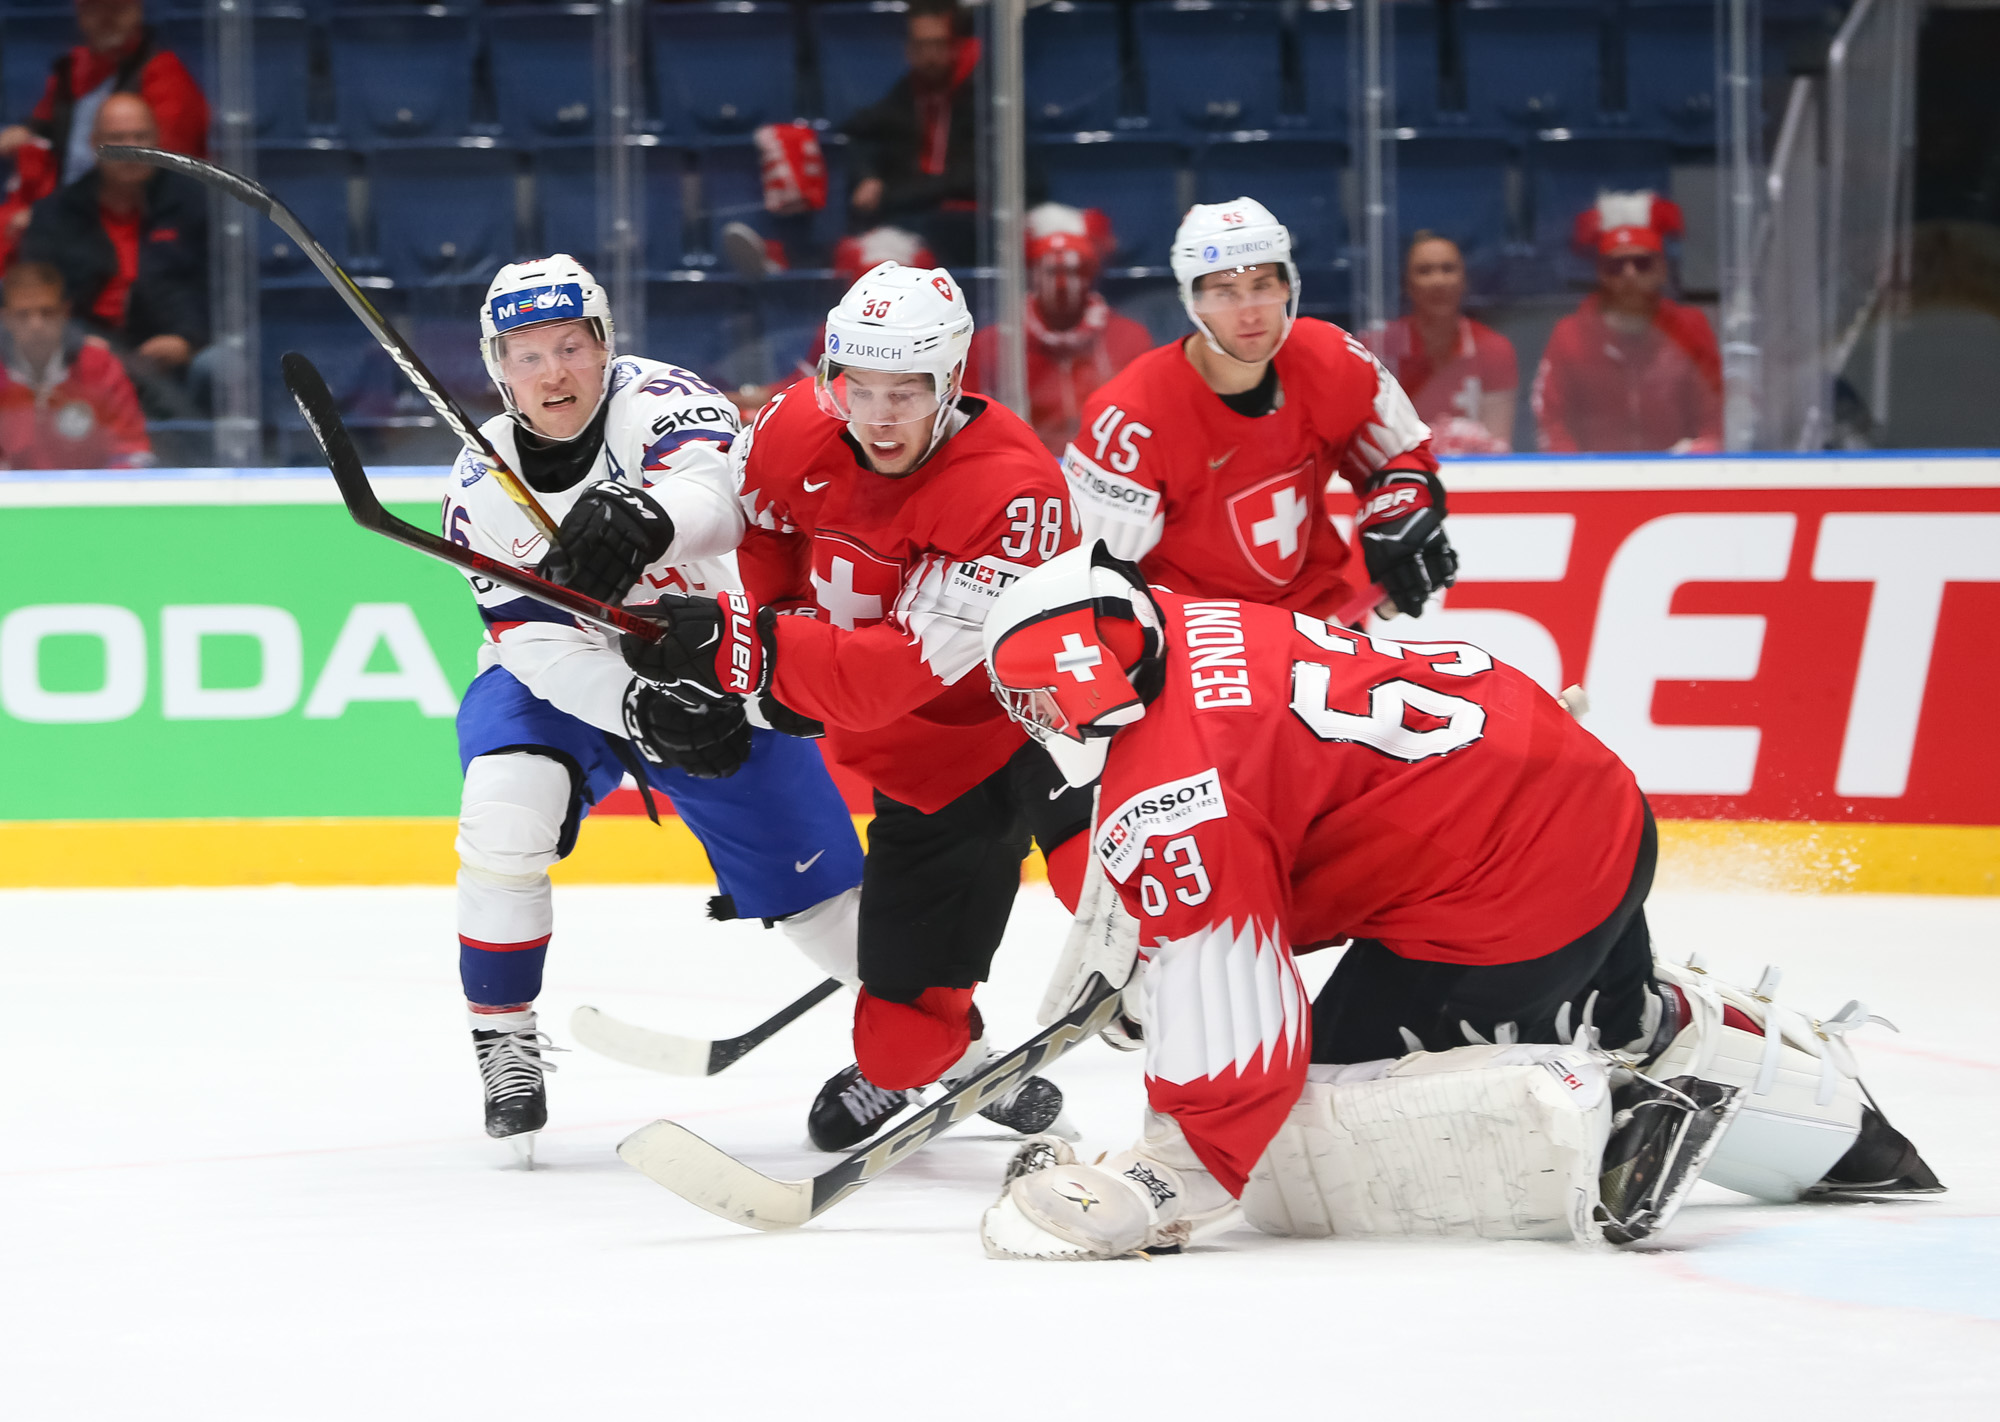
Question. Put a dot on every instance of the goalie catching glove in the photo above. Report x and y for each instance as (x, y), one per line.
(612, 534)
(709, 742)
(1402, 538)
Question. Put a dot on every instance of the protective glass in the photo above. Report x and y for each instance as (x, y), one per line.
(872, 397)
(526, 354)
(1258, 288)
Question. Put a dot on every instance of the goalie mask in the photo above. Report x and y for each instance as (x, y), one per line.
(542, 293)
(896, 320)
(1075, 652)
(1231, 237)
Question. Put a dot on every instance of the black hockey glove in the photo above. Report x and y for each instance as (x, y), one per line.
(1402, 538)
(612, 534)
(710, 744)
(712, 650)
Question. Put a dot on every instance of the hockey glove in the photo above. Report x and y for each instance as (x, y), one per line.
(612, 534)
(710, 744)
(713, 649)
(1402, 538)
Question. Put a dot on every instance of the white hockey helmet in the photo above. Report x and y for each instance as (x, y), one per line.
(901, 319)
(539, 293)
(1074, 649)
(1227, 237)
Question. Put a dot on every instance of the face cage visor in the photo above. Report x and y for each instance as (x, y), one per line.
(878, 398)
(1203, 302)
(498, 370)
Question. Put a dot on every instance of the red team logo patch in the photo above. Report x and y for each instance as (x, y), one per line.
(857, 588)
(1272, 521)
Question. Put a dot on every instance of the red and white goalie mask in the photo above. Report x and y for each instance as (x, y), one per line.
(1071, 648)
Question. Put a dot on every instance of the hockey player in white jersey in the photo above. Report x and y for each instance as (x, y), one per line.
(636, 452)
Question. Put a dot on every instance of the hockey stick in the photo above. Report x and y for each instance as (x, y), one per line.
(316, 403)
(255, 196)
(673, 1156)
(685, 1056)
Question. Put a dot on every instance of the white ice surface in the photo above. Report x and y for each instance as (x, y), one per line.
(242, 1176)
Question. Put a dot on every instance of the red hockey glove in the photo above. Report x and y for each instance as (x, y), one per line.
(1402, 538)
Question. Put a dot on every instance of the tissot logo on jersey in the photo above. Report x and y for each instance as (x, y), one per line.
(1217, 667)
(1164, 809)
(1119, 499)
(537, 303)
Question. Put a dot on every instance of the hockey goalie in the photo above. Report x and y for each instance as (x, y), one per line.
(1496, 1054)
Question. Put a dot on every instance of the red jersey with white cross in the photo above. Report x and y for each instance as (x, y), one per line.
(1294, 784)
(1209, 501)
(894, 578)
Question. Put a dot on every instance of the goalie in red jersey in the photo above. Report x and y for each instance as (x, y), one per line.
(1213, 462)
(880, 512)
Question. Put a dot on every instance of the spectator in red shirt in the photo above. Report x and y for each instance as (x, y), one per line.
(65, 402)
(132, 244)
(1461, 375)
(1075, 340)
(1630, 370)
(119, 55)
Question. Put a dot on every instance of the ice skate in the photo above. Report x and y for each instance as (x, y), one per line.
(511, 1071)
(850, 1108)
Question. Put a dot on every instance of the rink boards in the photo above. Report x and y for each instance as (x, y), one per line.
(218, 680)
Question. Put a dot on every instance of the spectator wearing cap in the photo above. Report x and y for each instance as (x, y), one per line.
(131, 242)
(1075, 341)
(1630, 370)
(1461, 375)
(119, 55)
(65, 401)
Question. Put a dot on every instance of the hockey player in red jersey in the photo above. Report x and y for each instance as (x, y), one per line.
(1273, 783)
(1214, 462)
(881, 512)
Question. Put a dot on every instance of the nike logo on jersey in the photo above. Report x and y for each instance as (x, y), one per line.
(523, 546)
(1215, 464)
(812, 488)
(800, 866)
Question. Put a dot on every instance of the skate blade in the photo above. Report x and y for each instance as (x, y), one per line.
(523, 1146)
(1062, 1128)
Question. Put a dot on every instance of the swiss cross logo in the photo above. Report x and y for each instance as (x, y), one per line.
(1076, 659)
(1272, 520)
(856, 587)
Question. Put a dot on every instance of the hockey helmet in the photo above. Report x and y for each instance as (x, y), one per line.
(899, 319)
(1228, 237)
(540, 293)
(1074, 649)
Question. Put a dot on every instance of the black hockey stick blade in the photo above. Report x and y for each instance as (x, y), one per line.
(673, 1156)
(252, 195)
(685, 1056)
(322, 417)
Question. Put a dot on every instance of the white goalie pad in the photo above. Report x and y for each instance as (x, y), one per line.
(1497, 1142)
(1103, 939)
(1801, 1100)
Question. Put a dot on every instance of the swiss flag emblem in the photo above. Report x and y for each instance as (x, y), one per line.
(1272, 521)
(857, 588)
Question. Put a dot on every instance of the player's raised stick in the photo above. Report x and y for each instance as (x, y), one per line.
(673, 1156)
(685, 1056)
(252, 195)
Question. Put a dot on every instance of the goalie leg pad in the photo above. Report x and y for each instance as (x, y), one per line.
(1496, 1142)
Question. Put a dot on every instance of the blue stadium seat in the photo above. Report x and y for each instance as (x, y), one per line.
(1420, 98)
(1456, 187)
(544, 72)
(1071, 65)
(1532, 66)
(790, 314)
(860, 52)
(1136, 183)
(314, 321)
(30, 41)
(1297, 178)
(1565, 178)
(280, 40)
(1323, 38)
(724, 68)
(703, 325)
(566, 202)
(313, 183)
(732, 190)
(442, 214)
(1670, 69)
(402, 73)
(1209, 64)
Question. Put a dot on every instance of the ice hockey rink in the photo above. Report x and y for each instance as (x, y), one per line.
(244, 1178)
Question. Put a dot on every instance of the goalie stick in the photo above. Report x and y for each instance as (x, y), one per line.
(685, 1056)
(673, 1156)
(322, 417)
(255, 196)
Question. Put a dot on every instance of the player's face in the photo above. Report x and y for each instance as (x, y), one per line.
(1245, 310)
(556, 373)
(35, 315)
(1436, 278)
(890, 414)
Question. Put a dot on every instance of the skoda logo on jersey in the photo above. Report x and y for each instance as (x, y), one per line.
(537, 303)
(1209, 253)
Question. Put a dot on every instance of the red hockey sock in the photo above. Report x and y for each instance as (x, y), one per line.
(1066, 865)
(901, 1045)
